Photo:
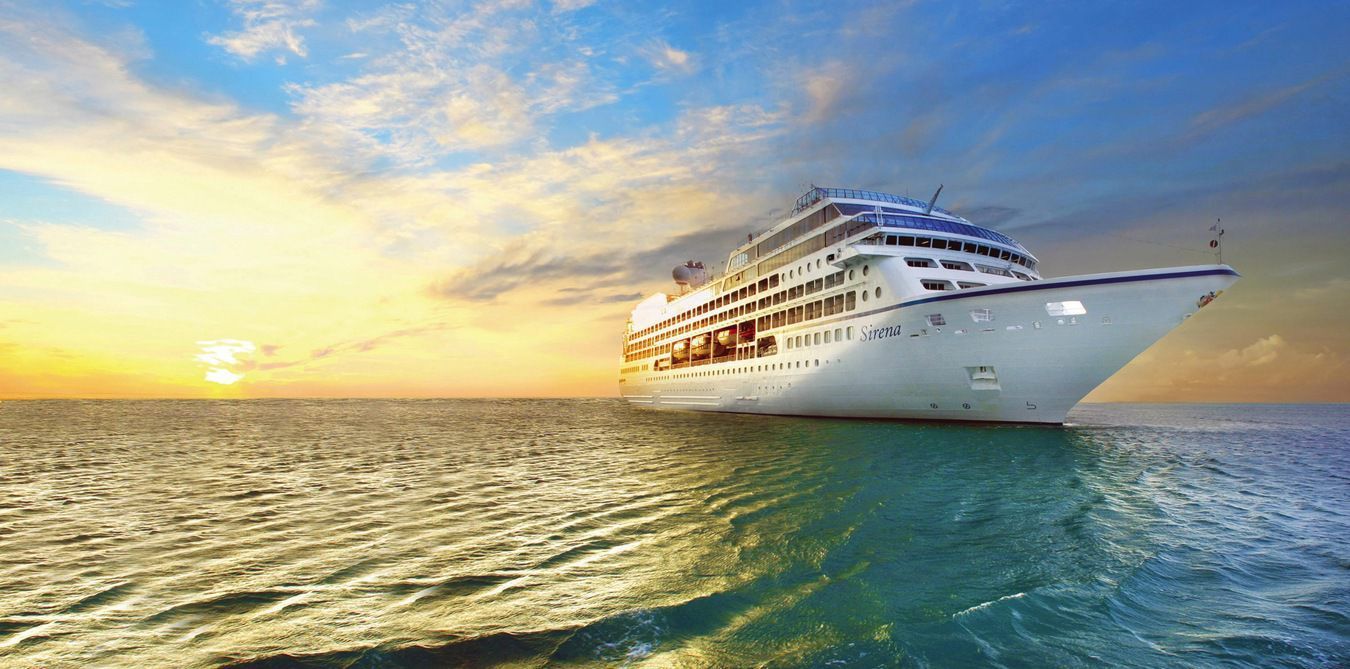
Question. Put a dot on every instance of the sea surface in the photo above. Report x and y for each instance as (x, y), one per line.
(356, 533)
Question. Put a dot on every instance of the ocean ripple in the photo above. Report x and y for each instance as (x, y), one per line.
(356, 533)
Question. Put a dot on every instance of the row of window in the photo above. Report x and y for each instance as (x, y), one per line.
(956, 245)
(648, 335)
(764, 284)
(748, 369)
(966, 267)
(819, 338)
(892, 218)
(744, 332)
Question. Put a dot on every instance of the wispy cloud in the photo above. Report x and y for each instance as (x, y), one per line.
(1211, 120)
(457, 82)
(669, 59)
(268, 25)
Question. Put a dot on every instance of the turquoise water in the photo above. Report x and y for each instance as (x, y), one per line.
(583, 532)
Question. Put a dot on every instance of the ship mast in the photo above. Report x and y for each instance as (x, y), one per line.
(1217, 242)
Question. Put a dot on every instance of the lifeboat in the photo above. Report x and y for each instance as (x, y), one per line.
(726, 337)
(680, 351)
(700, 344)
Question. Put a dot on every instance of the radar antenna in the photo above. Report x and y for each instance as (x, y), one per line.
(933, 201)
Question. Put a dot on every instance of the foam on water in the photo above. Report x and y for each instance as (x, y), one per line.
(583, 532)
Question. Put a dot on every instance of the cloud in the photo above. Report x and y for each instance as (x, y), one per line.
(455, 82)
(669, 59)
(1269, 369)
(1212, 120)
(526, 265)
(990, 216)
(592, 297)
(825, 88)
(337, 349)
(268, 25)
(220, 355)
(571, 5)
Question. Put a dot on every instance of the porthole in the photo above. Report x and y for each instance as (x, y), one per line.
(864, 270)
(878, 292)
(850, 275)
(817, 263)
(864, 296)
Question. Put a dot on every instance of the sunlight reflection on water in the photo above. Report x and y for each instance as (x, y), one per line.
(421, 533)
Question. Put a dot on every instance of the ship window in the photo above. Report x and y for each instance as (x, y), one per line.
(981, 315)
(837, 332)
(939, 243)
(931, 284)
(849, 333)
(891, 240)
(864, 270)
(906, 240)
(816, 339)
(827, 336)
(1067, 308)
(954, 264)
(864, 296)
(924, 242)
(850, 275)
(936, 320)
(970, 247)
(879, 291)
(969, 284)
(918, 262)
(851, 302)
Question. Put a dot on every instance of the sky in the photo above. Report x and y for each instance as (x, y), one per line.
(312, 198)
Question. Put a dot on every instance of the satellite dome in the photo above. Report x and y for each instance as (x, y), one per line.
(690, 275)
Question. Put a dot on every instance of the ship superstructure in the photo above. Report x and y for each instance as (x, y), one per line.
(867, 304)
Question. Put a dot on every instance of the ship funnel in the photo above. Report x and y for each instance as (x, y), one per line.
(689, 275)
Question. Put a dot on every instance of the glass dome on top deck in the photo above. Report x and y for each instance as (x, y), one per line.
(892, 217)
(818, 193)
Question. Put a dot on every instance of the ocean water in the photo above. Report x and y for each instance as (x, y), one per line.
(585, 533)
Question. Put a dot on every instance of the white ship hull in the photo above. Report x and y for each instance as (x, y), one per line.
(1024, 365)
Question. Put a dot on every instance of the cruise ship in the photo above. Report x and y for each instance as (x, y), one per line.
(870, 305)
